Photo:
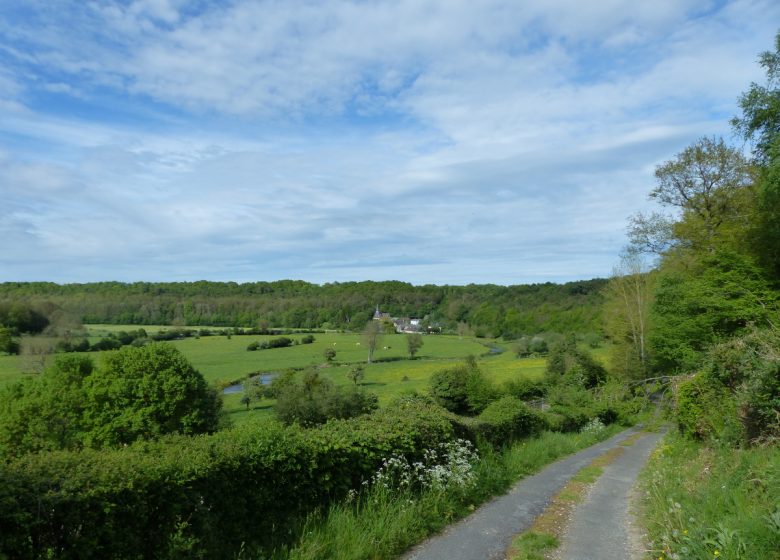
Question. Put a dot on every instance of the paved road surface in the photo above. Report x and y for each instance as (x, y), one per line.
(486, 534)
(599, 528)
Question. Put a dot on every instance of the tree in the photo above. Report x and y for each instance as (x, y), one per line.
(308, 399)
(703, 181)
(414, 342)
(720, 296)
(46, 412)
(144, 392)
(329, 354)
(8, 344)
(761, 106)
(760, 121)
(650, 233)
(356, 374)
(628, 297)
(372, 335)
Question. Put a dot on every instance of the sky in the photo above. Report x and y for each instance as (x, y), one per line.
(428, 141)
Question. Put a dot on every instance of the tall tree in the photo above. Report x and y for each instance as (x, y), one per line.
(760, 122)
(704, 181)
(628, 297)
(372, 334)
(760, 104)
(414, 342)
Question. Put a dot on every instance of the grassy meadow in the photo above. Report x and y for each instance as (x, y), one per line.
(224, 360)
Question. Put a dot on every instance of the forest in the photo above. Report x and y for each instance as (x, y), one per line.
(488, 310)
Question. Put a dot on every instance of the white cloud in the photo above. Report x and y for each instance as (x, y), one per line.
(438, 141)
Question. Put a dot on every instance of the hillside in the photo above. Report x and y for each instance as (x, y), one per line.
(488, 309)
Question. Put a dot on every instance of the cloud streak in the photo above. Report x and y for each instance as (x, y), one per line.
(429, 142)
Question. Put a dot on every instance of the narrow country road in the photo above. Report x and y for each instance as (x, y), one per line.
(486, 534)
(601, 526)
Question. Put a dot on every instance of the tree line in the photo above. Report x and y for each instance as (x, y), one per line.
(485, 310)
(697, 292)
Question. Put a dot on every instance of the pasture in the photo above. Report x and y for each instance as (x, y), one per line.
(224, 360)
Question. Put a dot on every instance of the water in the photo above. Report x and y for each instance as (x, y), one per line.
(265, 379)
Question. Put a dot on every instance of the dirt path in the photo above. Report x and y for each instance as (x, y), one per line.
(602, 526)
(486, 534)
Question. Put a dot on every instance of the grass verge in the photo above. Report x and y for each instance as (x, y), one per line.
(381, 524)
(703, 502)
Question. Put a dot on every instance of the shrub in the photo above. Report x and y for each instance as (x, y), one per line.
(525, 389)
(571, 365)
(308, 339)
(309, 399)
(507, 419)
(281, 342)
(210, 493)
(252, 346)
(749, 366)
(706, 410)
(462, 389)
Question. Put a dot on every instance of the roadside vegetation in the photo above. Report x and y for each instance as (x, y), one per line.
(700, 326)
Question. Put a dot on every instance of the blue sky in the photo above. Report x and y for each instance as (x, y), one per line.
(426, 141)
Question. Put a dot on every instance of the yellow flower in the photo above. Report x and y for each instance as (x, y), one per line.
(685, 532)
(716, 553)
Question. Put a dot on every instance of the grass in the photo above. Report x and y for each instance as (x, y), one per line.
(223, 360)
(709, 502)
(381, 524)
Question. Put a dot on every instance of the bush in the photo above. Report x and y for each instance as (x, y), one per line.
(571, 365)
(749, 367)
(462, 389)
(281, 342)
(525, 389)
(507, 419)
(308, 399)
(706, 410)
(205, 495)
(252, 346)
(308, 339)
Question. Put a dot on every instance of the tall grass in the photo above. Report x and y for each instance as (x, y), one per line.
(381, 523)
(704, 502)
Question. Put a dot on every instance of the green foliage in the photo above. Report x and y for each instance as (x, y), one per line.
(712, 502)
(462, 389)
(706, 410)
(144, 392)
(296, 304)
(717, 298)
(22, 317)
(356, 374)
(414, 341)
(569, 364)
(309, 399)
(766, 233)
(761, 106)
(8, 344)
(138, 393)
(307, 339)
(525, 388)
(46, 412)
(329, 354)
(745, 371)
(210, 493)
(507, 419)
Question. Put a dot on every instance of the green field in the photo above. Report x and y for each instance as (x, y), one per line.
(224, 360)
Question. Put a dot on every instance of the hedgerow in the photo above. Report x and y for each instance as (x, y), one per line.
(206, 496)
